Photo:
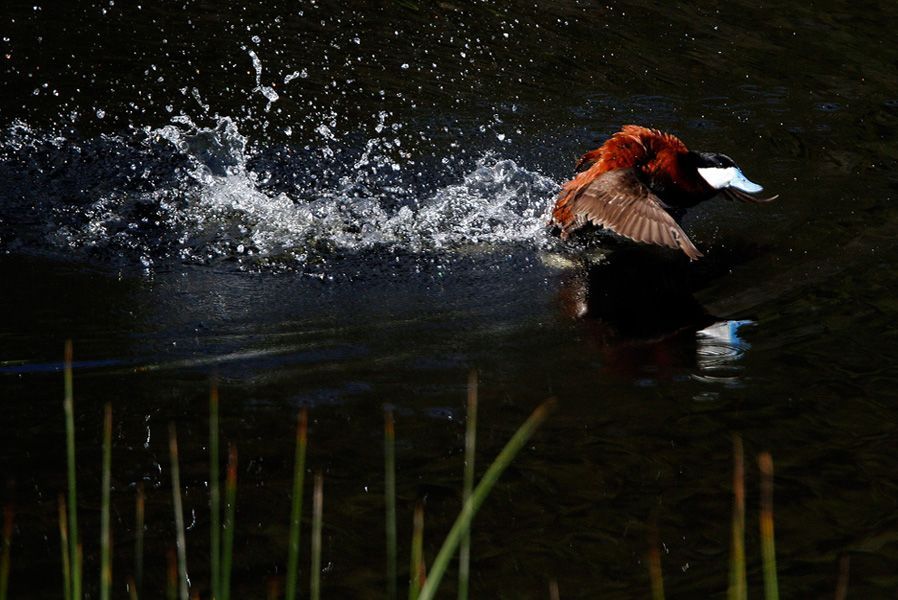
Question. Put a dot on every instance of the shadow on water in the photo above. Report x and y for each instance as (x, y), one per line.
(639, 307)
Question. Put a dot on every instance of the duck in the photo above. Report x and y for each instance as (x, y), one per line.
(639, 183)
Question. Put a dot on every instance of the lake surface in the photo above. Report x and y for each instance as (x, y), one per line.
(342, 206)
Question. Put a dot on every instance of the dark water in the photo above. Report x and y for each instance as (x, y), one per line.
(342, 206)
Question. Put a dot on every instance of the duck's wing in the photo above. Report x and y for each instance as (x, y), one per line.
(588, 160)
(618, 201)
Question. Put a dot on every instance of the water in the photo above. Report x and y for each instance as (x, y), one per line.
(343, 206)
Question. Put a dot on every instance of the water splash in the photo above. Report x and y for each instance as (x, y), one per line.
(265, 90)
(197, 194)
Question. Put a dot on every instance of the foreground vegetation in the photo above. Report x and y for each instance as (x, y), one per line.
(423, 582)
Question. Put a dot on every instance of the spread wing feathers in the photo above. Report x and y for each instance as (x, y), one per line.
(734, 194)
(618, 201)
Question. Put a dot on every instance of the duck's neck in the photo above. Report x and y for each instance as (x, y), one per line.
(670, 176)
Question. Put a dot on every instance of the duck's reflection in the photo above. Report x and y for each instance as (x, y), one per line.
(638, 306)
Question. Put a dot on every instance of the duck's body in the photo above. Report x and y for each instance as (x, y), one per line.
(640, 182)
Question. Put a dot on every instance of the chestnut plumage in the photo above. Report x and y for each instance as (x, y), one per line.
(639, 183)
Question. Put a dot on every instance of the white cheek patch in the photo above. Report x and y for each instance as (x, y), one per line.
(718, 177)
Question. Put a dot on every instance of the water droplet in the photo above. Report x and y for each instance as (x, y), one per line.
(303, 74)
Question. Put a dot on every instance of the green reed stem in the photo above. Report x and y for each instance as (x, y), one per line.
(478, 496)
(227, 551)
(7, 550)
(105, 533)
(66, 556)
(768, 550)
(299, 469)
(464, 551)
(738, 585)
(68, 404)
(214, 496)
(138, 539)
(317, 510)
(654, 560)
(390, 501)
(417, 571)
(181, 541)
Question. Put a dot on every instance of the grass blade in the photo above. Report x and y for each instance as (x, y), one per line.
(181, 543)
(66, 556)
(274, 589)
(416, 571)
(7, 550)
(738, 585)
(390, 501)
(464, 551)
(478, 496)
(299, 469)
(227, 551)
(842, 583)
(68, 404)
(654, 560)
(105, 533)
(317, 510)
(768, 550)
(138, 539)
(171, 580)
(132, 589)
(214, 496)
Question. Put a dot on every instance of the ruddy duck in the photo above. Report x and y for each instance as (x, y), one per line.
(639, 184)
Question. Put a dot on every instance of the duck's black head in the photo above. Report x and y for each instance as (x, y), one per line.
(720, 171)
